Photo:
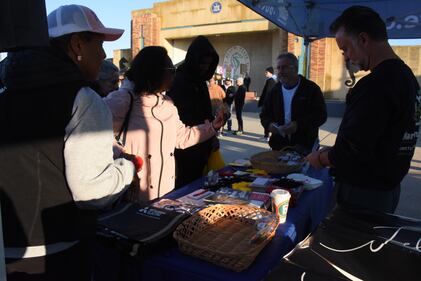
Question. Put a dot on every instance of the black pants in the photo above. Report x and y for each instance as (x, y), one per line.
(72, 264)
(352, 196)
(239, 115)
(266, 132)
(229, 121)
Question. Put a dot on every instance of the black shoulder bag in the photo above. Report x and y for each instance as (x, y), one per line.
(125, 126)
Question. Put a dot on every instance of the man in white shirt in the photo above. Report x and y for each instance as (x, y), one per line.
(294, 108)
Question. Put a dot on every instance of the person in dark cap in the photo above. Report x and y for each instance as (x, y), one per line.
(191, 97)
(270, 82)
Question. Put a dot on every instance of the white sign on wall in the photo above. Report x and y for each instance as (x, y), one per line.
(236, 62)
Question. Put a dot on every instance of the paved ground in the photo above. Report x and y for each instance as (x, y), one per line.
(235, 147)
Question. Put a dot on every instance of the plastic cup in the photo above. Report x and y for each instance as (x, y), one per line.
(280, 201)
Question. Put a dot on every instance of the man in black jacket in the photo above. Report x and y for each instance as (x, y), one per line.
(294, 108)
(191, 97)
(270, 82)
(377, 137)
(239, 100)
(229, 100)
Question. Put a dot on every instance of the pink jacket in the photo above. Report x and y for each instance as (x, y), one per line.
(155, 130)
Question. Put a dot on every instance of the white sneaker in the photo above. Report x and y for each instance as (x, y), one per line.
(264, 139)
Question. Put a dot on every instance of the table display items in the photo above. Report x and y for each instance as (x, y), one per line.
(280, 203)
(225, 221)
(141, 230)
(295, 188)
(230, 236)
(308, 182)
(285, 161)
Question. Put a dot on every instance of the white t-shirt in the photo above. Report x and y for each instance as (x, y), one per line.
(288, 94)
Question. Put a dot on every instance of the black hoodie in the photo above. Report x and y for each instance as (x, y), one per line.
(191, 97)
(189, 91)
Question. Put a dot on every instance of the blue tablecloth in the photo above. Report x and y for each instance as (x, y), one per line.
(312, 207)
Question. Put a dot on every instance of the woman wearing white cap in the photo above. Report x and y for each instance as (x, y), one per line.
(56, 157)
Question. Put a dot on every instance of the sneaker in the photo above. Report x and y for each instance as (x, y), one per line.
(264, 139)
(239, 133)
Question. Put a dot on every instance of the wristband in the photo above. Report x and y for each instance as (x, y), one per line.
(138, 163)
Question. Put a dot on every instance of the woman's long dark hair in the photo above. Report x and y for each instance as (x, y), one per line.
(148, 68)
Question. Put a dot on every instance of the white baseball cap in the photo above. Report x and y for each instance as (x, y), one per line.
(69, 19)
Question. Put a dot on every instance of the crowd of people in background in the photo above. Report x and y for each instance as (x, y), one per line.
(78, 142)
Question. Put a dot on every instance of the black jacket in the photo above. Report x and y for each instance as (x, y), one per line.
(240, 96)
(36, 203)
(191, 97)
(266, 89)
(308, 109)
(378, 133)
(189, 91)
(229, 95)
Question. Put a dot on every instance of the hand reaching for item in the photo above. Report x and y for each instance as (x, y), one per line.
(290, 128)
(276, 129)
(285, 130)
(220, 119)
(314, 160)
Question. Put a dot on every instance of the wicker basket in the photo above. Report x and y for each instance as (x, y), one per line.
(221, 234)
(269, 162)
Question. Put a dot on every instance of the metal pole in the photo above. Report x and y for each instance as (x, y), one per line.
(306, 61)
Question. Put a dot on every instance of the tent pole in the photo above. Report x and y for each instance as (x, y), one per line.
(306, 60)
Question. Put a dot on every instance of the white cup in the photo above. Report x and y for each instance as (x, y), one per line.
(280, 201)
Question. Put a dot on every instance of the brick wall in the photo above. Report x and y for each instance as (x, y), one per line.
(291, 43)
(317, 61)
(151, 24)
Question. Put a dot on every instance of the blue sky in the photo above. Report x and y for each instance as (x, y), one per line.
(116, 14)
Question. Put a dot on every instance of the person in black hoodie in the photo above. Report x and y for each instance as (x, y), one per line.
(56, 155)
(191, 97)
(378, 133)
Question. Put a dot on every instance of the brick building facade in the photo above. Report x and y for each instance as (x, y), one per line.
(174, 24)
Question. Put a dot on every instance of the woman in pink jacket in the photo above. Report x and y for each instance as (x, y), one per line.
(154, 129)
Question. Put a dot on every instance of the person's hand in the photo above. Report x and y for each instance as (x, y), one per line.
(273, 128)
(219, 120)
(135, 159)
(290, 128)
(314, 160)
